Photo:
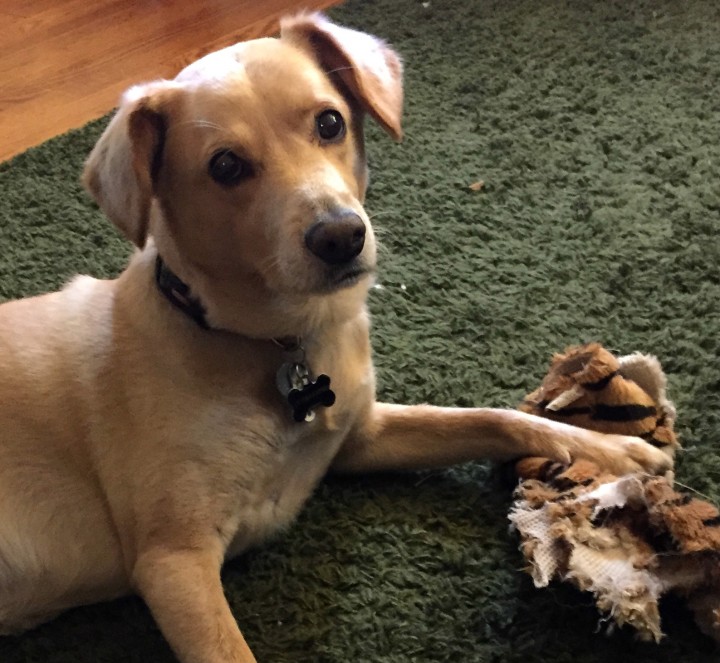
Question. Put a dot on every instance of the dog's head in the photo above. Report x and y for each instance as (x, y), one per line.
(248, 170)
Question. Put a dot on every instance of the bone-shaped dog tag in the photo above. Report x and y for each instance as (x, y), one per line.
(303, 394)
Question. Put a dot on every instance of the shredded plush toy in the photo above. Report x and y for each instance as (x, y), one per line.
(628, 540)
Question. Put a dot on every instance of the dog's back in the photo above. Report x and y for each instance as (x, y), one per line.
(57, 540)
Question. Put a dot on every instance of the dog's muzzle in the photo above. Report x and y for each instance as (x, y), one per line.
(336, 237)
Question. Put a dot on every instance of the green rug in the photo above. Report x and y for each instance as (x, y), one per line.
(594, 126)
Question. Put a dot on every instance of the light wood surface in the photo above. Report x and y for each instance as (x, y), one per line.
(66, 62)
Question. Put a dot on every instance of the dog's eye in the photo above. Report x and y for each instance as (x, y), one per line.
(330, 125)
(228, 168)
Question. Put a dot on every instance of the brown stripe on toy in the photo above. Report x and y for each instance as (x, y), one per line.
(629, 412)
(664, 436)
(538, 468)
(572, 411)
(599, 385)
(658, 440)
(682, 500)
(553, 472)
(564, 483)
(712, 522)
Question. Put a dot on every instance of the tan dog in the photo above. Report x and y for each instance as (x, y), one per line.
(138, 448)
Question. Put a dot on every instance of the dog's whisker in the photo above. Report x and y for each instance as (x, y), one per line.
(270, 263)
(383, 250)
(347, 68)
(382, 231)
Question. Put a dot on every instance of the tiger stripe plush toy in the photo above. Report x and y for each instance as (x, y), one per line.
(630, 539)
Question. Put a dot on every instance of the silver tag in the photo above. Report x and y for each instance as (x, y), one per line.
(293, 376)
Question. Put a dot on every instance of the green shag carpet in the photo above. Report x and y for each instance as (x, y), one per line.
(594, 126)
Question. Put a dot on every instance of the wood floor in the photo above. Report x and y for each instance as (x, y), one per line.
(65, 62)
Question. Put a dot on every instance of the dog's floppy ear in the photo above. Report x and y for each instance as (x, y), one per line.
(122, 168)
(369, 68)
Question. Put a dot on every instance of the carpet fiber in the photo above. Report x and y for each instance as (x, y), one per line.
(594, 127)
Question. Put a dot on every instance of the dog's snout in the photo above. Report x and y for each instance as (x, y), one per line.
(336, 237)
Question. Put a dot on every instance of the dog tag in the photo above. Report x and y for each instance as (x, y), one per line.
(303, 394)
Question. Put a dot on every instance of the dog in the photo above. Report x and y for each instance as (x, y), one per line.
(155, 425)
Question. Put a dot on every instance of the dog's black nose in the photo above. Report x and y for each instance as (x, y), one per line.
(336, 237)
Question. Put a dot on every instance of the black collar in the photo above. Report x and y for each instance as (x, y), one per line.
(178, 294)
(294, 381)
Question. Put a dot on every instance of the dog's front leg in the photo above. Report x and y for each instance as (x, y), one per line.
(183, 590)
(400, 437)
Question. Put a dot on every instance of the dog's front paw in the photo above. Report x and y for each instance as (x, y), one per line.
(622, 454)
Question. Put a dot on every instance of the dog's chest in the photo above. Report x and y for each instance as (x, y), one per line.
(247, 464)
(277, 492)
(280, 462)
